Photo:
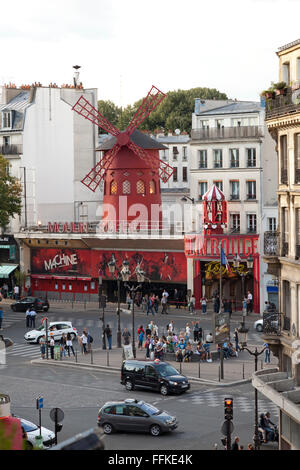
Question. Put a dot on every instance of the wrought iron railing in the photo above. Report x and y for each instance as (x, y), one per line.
(274, 323)
(11, 149)
(236, 132)
(281, 105)
(271, 243)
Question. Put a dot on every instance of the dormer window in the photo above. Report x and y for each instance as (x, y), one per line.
(6, 119)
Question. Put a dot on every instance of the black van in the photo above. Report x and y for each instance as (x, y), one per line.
(155, 375)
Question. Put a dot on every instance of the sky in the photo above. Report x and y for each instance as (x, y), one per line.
(125, 47)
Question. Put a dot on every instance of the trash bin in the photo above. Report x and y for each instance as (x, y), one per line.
(56, 353)
(39, 442)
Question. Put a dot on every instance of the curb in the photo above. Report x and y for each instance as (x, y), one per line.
(81, 365)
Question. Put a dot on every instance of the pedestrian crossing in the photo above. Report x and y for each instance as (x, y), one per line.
(31, 351)
(243, 404)
(11, 318)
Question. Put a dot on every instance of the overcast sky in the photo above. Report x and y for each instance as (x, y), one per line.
(126, 46)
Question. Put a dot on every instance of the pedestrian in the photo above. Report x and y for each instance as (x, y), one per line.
(209, 338)
(69, 344)
(195, 331)
(126, 336)
(108, 333)
(150, 305)
(216, 304)
(235, 445)
(62, 345)
(16, 292)
(147, 346)
(250, 447)
(204, 305)
(267, 353)
(156, 303)
(51, 346)
(144, 303)
(1, 318)
(128, 301)
(84, 342)
(249, 302)
(193, 303)
(43, 346)
(141, 334)
(164, 304)
(89, 340)
(28, 320)
(32, 316)
(236, 339)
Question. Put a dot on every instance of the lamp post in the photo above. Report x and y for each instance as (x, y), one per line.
(236, 264)
(133, 291)
(256, 439)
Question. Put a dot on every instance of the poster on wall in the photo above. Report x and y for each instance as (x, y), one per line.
(221, 327)
(157, 266)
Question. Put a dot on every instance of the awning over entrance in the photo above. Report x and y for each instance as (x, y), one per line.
(6, 270)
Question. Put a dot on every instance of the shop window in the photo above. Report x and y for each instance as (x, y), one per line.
(93, 285)
(113, 187)
(56, 286)
(140, 187)
(64, 287)
(152, 187)
(126, 187)
(70, 286)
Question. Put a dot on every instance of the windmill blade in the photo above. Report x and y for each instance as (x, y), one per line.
(152, 100)
(92, 180)
(85, 109)
(165, 171)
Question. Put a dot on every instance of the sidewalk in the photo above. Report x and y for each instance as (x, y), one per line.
(236, 370)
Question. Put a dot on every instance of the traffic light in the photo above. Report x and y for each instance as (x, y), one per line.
(228, 408)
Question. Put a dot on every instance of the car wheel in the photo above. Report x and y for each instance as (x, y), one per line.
(259, 328)
(155, 430)
(129, 385)
(14, 308)
(164, 390)
(107, 428)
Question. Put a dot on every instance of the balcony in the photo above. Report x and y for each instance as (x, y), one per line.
(275, 323)
(282, 104)
(11, 149)
(215, 133)
(271, 243)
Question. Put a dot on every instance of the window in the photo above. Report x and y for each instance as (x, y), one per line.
(164, 154)
(140, 187)
(184, 155)
(175, 153)
(175, 176)
(272, 224)
(285, 224)
(202, 159)
(218, 159)
(283, 159)
(251, 189)
(6, 141)
(235, 189)
(251, 157)
(237, 122)
(113, 187)
(251, 222)
(6, 119)
(219, 123)
(297, 157)
(219, 185)
(286, 72)
(202, 188)
(136, 411)
(126, 187)
(204, 124)
(152, 187)
(184, 174)
(149, 370)
(235, 222)
(298, 227)
(234, 158)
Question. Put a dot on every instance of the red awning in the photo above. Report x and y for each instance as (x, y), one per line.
(65, 278)
(84, 278)
(41, 276)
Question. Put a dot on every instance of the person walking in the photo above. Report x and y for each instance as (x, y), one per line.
(108, 333)
(126, 336)
(204, 305)
(27, 316)
(140, 334)
(84, 342)
(32, 316)
(249, 302)
(1, 318)
(42, 343)
(196, 331)
(193, 304)
(267, 354)
(164, 304)
(16, 292)
(235, 445)
(62, 345)
(150, 305)
(51, 346)
(69, 344)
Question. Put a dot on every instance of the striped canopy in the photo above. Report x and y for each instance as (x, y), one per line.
(213, 194)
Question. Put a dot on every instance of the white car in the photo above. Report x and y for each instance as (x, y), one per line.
(55, 330)
(32, 430)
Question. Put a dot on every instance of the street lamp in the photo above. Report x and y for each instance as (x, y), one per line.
(133, 290)
(256, 439)
(185, 198)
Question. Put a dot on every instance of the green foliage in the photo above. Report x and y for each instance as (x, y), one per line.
(175, 111)
(20, 278)
(10, 194)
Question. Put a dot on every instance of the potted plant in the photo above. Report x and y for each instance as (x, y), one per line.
(280, 88)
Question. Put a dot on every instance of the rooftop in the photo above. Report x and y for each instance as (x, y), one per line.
(289, 45)
(236, 107)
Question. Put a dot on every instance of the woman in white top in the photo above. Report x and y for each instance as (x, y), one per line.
(84, 342)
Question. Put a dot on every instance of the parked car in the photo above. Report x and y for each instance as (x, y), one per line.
(155, 375)
(273, 322)
(40, 305)
(32, 430)
(55, 330)
(135, 416)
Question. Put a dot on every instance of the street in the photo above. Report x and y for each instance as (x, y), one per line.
(80, 393)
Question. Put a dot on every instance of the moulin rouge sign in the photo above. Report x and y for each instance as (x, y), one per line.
(68, 227)
(208, 245)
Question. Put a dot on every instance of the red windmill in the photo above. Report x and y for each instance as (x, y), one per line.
(130, 165)
(214, 211)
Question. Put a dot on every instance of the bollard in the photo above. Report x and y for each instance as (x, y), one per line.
(243, 370)
(262, 365)
(199, 368)
(219, 373)
(180, 366)
(92, 356)
(75, 355)
(85, 305)
(107, 358)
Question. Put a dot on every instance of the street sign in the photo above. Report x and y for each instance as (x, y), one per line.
(227, 427)
(56, 414)
(39, 403)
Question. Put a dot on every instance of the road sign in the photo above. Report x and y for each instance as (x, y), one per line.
(56, 414)
(227, 427)
(39, 403)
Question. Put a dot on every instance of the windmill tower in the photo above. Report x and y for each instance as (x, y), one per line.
(214, 211)
(130, 167)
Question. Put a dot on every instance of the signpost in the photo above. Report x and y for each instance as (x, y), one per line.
(39, 406)
(57, 415)
(45, 321)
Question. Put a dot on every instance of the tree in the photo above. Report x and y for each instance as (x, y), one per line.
(110, 111)
(175, 111)
(10, 194)
(20, 278)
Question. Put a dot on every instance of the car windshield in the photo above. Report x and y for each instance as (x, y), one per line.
(28, 427)
(165, 370)
(40, 328)
(151, 410)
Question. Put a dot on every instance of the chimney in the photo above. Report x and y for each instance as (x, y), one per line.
(76, 75)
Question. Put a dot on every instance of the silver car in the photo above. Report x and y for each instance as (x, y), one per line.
(135, 416)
